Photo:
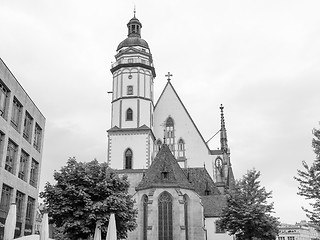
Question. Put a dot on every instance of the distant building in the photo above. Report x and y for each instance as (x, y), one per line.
(160, 149)
(21, 140)
(299, 231)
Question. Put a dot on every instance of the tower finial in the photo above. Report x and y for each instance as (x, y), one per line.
(223, 132)
(223, 126)
(134, 11)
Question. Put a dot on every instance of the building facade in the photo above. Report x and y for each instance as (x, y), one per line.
(178, 183)
(21, 144)
(299, 231)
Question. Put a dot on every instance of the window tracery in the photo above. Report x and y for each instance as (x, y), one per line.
(165, 216)
(169, 133)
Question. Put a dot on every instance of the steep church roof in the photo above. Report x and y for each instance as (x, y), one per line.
(164, 172)
(201, 181)
(213, 205)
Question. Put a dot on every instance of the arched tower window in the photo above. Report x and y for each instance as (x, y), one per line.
(186, 215)
(181, 149)
(129, 114)
(165, 216)
(169, 133)
(128, 159)
(145, 216)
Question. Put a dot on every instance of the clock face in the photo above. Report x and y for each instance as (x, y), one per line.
(219, 163)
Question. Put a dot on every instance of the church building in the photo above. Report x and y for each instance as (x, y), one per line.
(177, 181)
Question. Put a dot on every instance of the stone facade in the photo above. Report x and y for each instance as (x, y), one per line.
(21, 144)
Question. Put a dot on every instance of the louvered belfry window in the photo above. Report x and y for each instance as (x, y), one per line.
(129, 114)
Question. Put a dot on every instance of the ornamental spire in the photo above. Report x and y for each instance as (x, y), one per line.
(223, 132)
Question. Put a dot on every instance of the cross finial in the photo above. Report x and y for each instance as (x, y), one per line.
(168, 76)
(221, 108)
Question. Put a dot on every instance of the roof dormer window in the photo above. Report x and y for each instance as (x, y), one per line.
(164, 175)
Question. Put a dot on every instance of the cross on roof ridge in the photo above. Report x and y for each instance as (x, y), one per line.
(168, 76)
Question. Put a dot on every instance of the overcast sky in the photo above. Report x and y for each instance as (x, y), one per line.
(260, 59)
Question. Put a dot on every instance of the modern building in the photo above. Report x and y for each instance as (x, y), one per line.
(178, 182)
(21, 144)
(299, 231)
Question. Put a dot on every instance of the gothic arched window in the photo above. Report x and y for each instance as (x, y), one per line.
(165, 216)
(169, 133)
(145, 216)
(186, 215)
(128, 159)
(129, 114)
(181, 148)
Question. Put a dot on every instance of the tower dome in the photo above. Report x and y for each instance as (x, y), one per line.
(134, 35)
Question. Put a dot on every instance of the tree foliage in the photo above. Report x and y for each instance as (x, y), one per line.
(309, 181)
(248, 214)
(85, 193)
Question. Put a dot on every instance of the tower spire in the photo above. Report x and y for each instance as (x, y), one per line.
(223, 132)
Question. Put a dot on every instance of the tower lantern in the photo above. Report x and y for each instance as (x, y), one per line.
(134, 27)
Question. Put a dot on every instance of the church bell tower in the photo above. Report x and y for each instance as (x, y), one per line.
(131, 138)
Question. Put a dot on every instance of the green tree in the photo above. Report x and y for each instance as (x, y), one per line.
(248, 214)
(309, 181)
(85, 193)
